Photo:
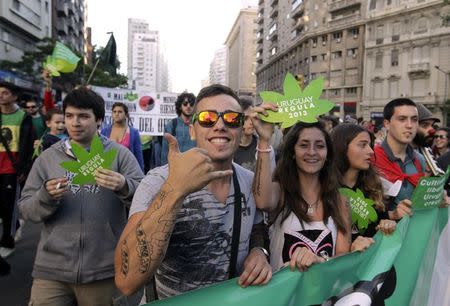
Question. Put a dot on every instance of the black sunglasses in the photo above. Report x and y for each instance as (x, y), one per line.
(186, 103)
(440, 136)
(208, 118)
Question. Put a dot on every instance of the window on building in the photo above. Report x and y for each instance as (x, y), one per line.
(337, 37)
(313, 58)
(313, 76)
(324, 39)
(336, 54)
(394, 58)
(393, 88)
(422, 25)
(351, 91)
(395, 31)
(379, 60)
(352, 52)
(335, 92)
(372, 4)
(324, 56)
(354, 32)
(388, 2)
(379, 34)
(314, 42)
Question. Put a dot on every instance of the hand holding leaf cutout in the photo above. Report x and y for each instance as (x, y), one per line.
(88, 162)
(296, 104)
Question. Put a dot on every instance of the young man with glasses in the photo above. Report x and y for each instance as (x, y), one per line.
(179, 127)
(183, 220)
(32, 108)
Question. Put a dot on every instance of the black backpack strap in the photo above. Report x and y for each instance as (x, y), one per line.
(174, 127)
(236, 226)
(8, 150)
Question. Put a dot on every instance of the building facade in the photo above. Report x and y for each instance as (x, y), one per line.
(241, 50)
(405, 42)
(313, 39)
(218, 67)
(69, 23)
(22, 25)
(147, 64)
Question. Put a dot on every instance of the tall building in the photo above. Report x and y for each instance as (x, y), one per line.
(405, 42)
(241, 50)
(69, 23)
(147, 65)
(218, 67)
(22, 25)
(313, 39)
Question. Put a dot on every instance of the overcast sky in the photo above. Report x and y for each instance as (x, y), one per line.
(191, 30)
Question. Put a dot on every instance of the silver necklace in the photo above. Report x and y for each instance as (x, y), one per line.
(312, 207)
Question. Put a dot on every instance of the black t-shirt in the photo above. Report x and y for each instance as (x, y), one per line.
(246, 156)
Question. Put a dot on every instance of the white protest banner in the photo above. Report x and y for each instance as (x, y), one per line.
(149, 111)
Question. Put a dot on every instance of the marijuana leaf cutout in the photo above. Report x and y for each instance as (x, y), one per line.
(88, 162)
(362, 211)
(296, 105)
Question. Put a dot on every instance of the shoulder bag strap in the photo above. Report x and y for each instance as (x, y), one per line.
(236, 226)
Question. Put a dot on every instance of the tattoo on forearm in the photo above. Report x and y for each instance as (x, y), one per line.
(142, 249)
(257, 182)
(125, 265)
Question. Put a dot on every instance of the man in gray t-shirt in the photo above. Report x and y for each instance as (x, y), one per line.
(181, 219)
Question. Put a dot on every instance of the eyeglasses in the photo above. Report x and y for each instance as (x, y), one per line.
(186, 103)
(209, 118)
(440, 136)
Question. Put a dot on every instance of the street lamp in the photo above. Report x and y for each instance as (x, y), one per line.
(446, 73)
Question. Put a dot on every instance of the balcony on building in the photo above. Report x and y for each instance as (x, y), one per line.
(297, 9)
(62, 9)
(299, 23)
(260, 18)
(273, 32)
(274, 12)
(419, 67)
(71, 7)
(259, 37)
(344, 20)
(273, 3)
(342, 4)
(61, 27)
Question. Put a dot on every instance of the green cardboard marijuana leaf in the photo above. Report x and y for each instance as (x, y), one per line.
(130, 96)
(363, 212)
(88, 162)
(296, 105)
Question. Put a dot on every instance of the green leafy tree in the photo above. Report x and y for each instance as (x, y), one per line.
(446, 17)
(31, 66)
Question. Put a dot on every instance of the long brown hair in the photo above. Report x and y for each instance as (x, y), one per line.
(287, 176)
(368, 181)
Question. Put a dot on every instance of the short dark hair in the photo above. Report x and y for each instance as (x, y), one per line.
(15, 90)
(215, 90)
(389, 108)
(246, 102)
(180, 99)
(85, 98)
(51, 112)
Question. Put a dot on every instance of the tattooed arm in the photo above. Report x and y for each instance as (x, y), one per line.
(144, 241)
(265, 191)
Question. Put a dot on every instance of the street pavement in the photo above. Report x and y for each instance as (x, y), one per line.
(16, 287)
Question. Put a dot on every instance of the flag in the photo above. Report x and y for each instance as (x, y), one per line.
(108, 56)
(61, 60)
(396, 270)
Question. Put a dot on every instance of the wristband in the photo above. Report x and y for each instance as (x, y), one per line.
(264, 252)
(264, 150)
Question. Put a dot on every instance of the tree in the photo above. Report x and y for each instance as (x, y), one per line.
(446, 17)
(31, 66)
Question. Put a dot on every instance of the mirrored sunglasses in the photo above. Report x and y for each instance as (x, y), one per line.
(209, 118)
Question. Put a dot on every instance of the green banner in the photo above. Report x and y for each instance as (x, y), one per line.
(429, 191)
(396, 270)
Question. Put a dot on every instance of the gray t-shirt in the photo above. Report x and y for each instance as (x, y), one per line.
(199, 250)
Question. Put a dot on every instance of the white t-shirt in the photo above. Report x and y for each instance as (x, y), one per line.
(286, 237)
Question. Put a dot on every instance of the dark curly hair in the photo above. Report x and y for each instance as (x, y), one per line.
(181, 98)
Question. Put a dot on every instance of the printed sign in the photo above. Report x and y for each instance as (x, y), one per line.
(363, 212)
(429, 191)
(296, 104)
(88, 162)
(149, 112)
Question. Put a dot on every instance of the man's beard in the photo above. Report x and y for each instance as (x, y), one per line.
(422, 141)
(185, 114)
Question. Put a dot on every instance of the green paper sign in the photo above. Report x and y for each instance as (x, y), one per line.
(88, 162)
(429, 191)
(296, 104)
(61, 60)
(363, 212)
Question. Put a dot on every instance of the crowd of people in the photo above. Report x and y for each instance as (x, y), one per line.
(227, 195)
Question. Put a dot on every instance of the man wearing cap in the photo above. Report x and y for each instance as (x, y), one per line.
(425, 131)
